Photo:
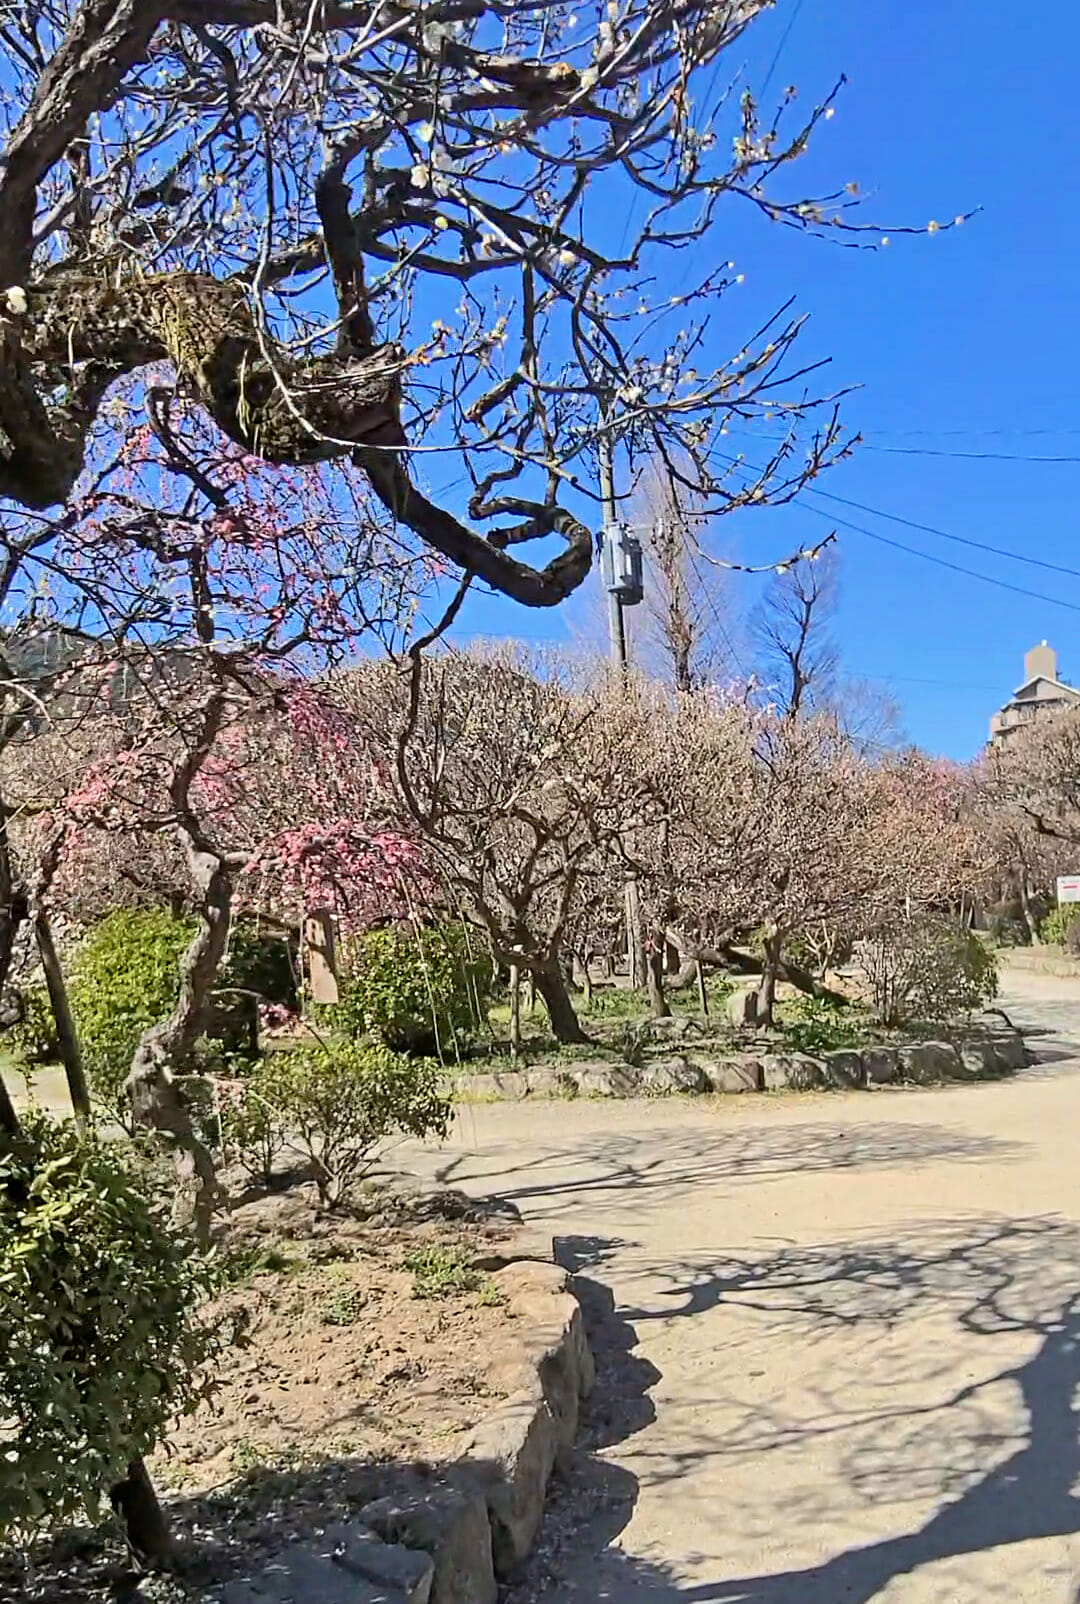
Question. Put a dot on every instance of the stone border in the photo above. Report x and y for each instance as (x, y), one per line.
(989, 1056)
(452, 1540)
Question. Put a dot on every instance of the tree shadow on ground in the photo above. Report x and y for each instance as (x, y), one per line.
(989, 1486)
(670, 1162)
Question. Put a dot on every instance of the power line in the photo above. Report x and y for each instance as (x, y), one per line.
(951, 455)
(965, 456)
(944, 534)
(912, 523)
(973, 434)
(748, 468)
(918, 679)
(784, 37)
(942, 562)
(780, 566)
(711, 602)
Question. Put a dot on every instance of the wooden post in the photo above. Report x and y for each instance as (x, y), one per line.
(67, 1036)
(321, 956)
(515, 1011)
(703, 996)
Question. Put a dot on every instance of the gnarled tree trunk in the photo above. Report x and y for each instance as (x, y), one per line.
(746, 963)
(165, 1049)
(654, 977)
(770, 969)
(550, 983)
(145, 1526)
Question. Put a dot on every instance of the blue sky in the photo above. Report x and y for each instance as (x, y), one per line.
(961, 342)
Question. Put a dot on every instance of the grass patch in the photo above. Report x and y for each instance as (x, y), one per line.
(341, 1307)
(260, 1258)
(441, 1271)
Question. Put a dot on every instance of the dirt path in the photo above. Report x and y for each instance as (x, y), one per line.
(864, 1318)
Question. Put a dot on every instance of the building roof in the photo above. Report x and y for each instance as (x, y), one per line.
(1069, 692)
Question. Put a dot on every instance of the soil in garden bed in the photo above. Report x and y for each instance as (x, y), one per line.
(364, 1363)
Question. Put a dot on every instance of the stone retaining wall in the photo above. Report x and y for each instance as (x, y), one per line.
(987, 1056)
(452, 1537)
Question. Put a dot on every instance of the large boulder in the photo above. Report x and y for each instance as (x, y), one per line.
(509, 1457)
(1011, 1050)
(742, 1008)
(882, 1065)
(676, 1027)
(989, 1057)
(346, 1563)
(506, 1085)
(550, 1344)
(451, 1525)
(665, 1076)
(844, 1069)
(478, 1089)
(612, 1080)
(792, 1072)
(929, 1062)
(551, 1081)
(734, 1074)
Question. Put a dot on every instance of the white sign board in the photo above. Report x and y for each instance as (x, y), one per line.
(1068, 888)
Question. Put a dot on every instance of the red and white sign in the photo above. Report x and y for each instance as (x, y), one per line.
(1068, 888)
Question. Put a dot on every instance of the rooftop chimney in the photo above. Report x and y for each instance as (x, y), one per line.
(1041, 660)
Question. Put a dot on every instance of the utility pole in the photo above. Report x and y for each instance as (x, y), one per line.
(622, 571)
(616, 621)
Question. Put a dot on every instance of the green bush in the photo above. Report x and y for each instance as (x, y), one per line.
(1055, 928)
(261, 961)
(34, 1037)
(253, 1129)
(340, 1101)
(121, 980)
(818, 1026)
(927, 969)
(419, 990)
(101, 1339)
(125, 977)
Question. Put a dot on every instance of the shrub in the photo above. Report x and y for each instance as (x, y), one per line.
(419, 990)
(253, 1129)
(125, 977)
(101, 1341)
(1055, 929)
(263, 962)
(927, 968)
(818, 948)
(340, 1101)
(34, 1036)
(819, 1026)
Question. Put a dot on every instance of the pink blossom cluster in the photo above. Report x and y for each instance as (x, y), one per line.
(340, 864)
